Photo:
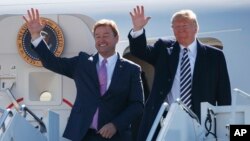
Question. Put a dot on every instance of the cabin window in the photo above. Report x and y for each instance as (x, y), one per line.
(46, 96)
(45, 88)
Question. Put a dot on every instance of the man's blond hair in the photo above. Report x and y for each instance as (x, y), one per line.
(107, 22)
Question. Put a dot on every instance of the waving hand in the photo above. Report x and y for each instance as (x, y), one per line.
(33, 22)
(138, 18)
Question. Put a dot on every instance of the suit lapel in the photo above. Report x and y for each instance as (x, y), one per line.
(200, 62)
(119, 68)
(174, 58)
(93, 70)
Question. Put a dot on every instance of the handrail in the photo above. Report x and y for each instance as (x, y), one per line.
(13, 99)
(4, 116)
(241, 92)
(24, 109)
(188, 110)
(40, 122)
(164, 107)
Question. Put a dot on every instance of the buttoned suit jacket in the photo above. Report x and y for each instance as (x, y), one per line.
(210, 82)
(121, 104)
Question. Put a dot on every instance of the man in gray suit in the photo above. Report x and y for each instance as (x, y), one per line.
(106, 103)
(209, 80)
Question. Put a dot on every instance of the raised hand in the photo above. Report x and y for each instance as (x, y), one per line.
(33, 22)
(138, 18)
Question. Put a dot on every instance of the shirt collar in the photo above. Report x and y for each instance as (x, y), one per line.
(192, 48)
(110, 60)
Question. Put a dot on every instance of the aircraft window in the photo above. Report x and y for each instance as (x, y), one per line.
(45, 96)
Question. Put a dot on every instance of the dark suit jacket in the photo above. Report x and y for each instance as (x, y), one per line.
(121, 104)
(210, 77)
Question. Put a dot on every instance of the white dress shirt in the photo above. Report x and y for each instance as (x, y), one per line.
(175, 91)
(110, 65)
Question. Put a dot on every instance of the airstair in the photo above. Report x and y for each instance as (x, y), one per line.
(21, 124)
(181, 124)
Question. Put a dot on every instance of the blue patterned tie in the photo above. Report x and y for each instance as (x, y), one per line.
(185, 79)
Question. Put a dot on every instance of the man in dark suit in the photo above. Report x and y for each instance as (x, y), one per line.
(96, 115)
(209, 81)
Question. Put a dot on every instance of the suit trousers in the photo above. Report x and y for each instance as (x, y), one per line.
(92, 135)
